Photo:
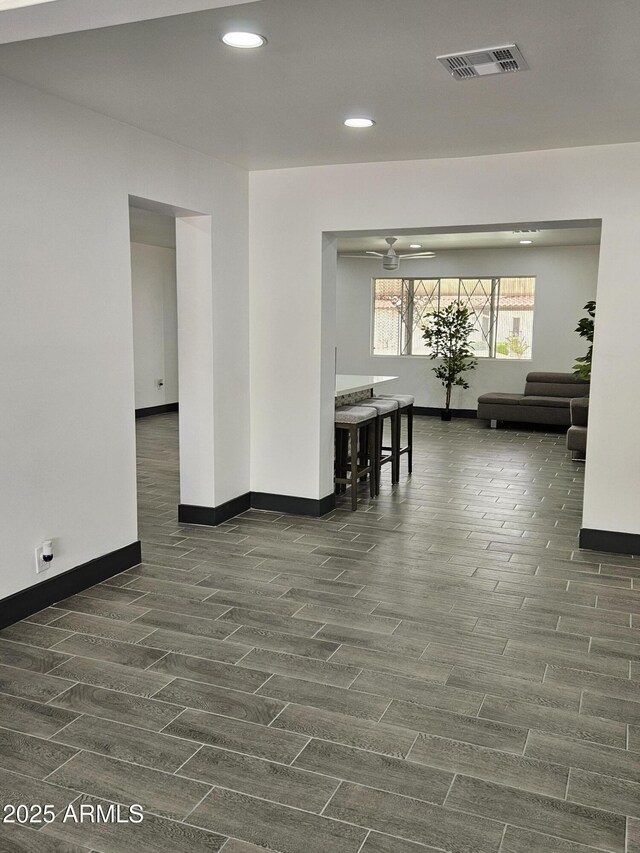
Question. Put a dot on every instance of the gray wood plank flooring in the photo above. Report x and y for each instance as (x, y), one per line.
(442, 670)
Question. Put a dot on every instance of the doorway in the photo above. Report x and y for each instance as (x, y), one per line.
(172, 308)
(156, 383)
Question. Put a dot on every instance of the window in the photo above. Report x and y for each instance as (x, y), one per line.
(501, 311)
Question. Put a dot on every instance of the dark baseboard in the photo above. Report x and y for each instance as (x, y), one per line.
(609, 540)
(293, 505)
(429, 411)
(213, 515)
(34, 598)
(156, 410)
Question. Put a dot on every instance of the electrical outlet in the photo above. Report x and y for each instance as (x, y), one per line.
(41, 565)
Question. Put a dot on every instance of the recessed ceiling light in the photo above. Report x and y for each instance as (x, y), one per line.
(415, 246)
(244, 40)
(526, 242)
(359, 122)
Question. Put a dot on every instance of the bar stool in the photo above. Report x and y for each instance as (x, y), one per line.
(352, 422)
(386, 408)
(405, 406)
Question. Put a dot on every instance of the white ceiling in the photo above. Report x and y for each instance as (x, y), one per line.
(40, 18)
(283, 105)
(501, 239)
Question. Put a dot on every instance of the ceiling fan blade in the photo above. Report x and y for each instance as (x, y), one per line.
(420, 255)
(368, 256)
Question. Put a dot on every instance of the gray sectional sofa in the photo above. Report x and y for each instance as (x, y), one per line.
(546, 400)
(577, 432)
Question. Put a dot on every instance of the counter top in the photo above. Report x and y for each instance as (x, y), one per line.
(349, 383)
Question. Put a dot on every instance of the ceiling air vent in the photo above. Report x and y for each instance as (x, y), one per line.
(481, 63)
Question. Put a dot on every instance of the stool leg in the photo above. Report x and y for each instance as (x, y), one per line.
(371, 435)
(353, 431)
(362, 446)
(344, 458)
(395, 446)
(340, 459)
(378, 453)
(410, 438)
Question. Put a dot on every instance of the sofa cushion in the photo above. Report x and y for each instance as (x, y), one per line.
(577, 438)
(555, 385)
(555, 378)
(554, 402)
(580, 411)
(501, 399)
(555, 389)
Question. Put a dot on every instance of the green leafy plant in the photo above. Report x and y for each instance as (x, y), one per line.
(585, 327)
(513, 345)
(446, 333)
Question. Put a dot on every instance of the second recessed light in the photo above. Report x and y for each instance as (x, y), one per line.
(526, 242)
(359, 122)
(244, 40)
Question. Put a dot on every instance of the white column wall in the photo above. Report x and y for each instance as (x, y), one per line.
(613, 453)
(67, 437)
(196, 360)
(289, 210)
(286, 356)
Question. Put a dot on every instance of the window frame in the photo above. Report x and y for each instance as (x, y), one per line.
(495, 310)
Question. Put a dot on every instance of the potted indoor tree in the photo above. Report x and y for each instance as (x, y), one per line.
(446, 333)
(582, 367)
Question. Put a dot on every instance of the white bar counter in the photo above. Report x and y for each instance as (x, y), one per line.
(350, 383)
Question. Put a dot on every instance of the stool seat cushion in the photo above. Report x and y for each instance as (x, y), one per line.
(382, 407)
(354, 414)
(402, 399)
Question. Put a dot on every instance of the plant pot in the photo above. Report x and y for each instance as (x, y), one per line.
(445, 414)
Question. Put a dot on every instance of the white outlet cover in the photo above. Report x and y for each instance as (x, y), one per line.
(41, 566)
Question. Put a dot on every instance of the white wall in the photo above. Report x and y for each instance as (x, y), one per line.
(67, 437)
(292, 420)
(196, 357)
(155, 324)
(566, 278)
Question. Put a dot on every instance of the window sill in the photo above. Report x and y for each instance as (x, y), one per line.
(481, 358)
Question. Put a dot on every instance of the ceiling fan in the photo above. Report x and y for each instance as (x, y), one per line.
(390, 258)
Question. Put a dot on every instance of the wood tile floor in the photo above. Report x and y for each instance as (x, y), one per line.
(441, 671)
